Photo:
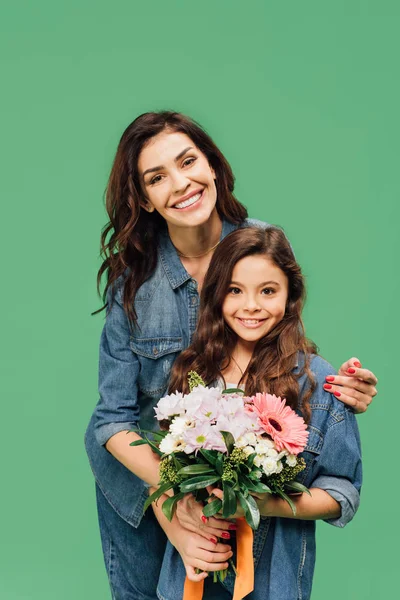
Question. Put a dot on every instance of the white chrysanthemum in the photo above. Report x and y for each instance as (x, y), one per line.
(258, 460)
(179, 425)
(291, 460)
(279, 466)
(250, 438)
(241, 442)
(170, 444)
(265, 446)
(248, 450)
(273, 453)
(282, 454)
(269, 464)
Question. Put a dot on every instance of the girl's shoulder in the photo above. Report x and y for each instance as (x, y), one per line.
(321, 399)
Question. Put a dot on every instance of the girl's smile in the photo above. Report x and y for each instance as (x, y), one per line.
(256, 299)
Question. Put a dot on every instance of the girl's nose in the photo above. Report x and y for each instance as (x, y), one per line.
(251, 304)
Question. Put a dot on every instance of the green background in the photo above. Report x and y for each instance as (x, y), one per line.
(303, 98)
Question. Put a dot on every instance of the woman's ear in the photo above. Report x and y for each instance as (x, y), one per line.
(147, 205)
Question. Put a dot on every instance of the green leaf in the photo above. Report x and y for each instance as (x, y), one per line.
(229, 502)
(153, 446)
(138, 443)
(229, 440)
(196, 469)
(209, 455)
(159, 492)
(219, 463)
(212, 508)
(251, 511)
(196, 483)
(255, 486)
(233, 391)
(169, 505)
(296, 486)
(250, 460)
(288, 500)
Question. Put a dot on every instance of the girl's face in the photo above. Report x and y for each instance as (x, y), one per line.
(177, 180)
(256, 299)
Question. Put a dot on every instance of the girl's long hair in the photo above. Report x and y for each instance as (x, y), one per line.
(275, 355)
(129, 240)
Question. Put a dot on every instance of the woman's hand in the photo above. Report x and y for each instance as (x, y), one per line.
(353, 385)
(198, 553)
(189, 513)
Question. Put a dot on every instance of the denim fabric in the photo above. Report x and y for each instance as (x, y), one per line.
(284, 549)
(134, 367)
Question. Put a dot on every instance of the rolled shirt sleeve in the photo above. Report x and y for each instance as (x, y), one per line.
(117, 409)
(338, 468)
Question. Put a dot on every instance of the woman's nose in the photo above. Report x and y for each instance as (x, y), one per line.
(179, 182)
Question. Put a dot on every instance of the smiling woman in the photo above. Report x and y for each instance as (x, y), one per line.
(170, 201)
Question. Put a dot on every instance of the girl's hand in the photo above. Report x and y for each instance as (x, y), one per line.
(189, 513)
(199, 553)
(353, 385)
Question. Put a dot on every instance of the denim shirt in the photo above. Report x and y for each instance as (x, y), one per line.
(134, 367)
(284, 549)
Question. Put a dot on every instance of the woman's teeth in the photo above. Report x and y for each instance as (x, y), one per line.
(188, 202)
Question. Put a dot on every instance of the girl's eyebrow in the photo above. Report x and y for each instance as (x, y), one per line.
(162, 167)
(260, 285)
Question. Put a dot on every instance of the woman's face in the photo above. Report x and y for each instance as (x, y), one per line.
(177, 180)
(256, 300)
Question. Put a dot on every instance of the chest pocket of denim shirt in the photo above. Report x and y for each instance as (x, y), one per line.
(156, 357)
(311, 452)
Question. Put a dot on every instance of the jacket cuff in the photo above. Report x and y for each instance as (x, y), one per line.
(105, 432)
(343, 492)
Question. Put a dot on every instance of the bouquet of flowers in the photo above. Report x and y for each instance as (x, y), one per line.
(243, 445)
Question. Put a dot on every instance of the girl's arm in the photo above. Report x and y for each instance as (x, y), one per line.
(320, 505)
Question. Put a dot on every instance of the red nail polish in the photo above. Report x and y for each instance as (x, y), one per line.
(233, 527)
(337, 394)
(213, 540)
(351, 371)
(330, 378)
(226, 535)
(204, 519)
(327, 386)
(357, 364)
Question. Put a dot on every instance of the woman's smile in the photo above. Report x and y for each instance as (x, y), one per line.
(190, 200)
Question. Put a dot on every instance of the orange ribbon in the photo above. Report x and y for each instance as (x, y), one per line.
(244, 583)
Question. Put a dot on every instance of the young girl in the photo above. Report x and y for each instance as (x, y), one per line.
(250, 334)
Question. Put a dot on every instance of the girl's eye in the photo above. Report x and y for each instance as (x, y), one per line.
(268, 291)
(234, 291)
(155, 179)
(189, 161)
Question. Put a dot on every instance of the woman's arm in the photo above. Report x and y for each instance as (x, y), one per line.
(197, 552)
(141, 460)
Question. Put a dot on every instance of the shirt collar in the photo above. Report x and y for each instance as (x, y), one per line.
(174, 269)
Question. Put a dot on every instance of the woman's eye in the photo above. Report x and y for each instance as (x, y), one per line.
(188, 161)
(155, 179)
(268, 291)
(234, 291)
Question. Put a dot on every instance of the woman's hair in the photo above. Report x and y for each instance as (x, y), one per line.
(129, 240)
(275, 355)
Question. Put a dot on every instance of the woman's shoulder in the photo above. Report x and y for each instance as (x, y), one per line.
(255, 223)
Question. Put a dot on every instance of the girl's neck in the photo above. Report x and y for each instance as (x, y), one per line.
(239, 361)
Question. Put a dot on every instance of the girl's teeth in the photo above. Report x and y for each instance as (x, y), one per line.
(188, 202)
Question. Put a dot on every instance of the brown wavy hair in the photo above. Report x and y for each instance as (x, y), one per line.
(129, 239)
(275, 355)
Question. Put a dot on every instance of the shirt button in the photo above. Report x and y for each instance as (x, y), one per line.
(194, 300)
(155, 350)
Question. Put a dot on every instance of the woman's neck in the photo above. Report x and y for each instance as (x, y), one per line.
(195, 242)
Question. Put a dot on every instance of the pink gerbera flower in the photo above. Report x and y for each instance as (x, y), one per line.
(286, 428)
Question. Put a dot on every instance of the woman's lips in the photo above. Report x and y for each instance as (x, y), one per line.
(190, 202)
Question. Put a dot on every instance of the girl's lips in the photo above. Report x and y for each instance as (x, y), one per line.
(251, 323)
(192, 204)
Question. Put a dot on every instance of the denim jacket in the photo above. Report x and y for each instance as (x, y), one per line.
(284, 549)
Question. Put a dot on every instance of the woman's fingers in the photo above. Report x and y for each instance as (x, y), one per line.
(357, 389)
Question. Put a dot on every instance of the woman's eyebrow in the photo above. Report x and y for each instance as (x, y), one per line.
(162, 167)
